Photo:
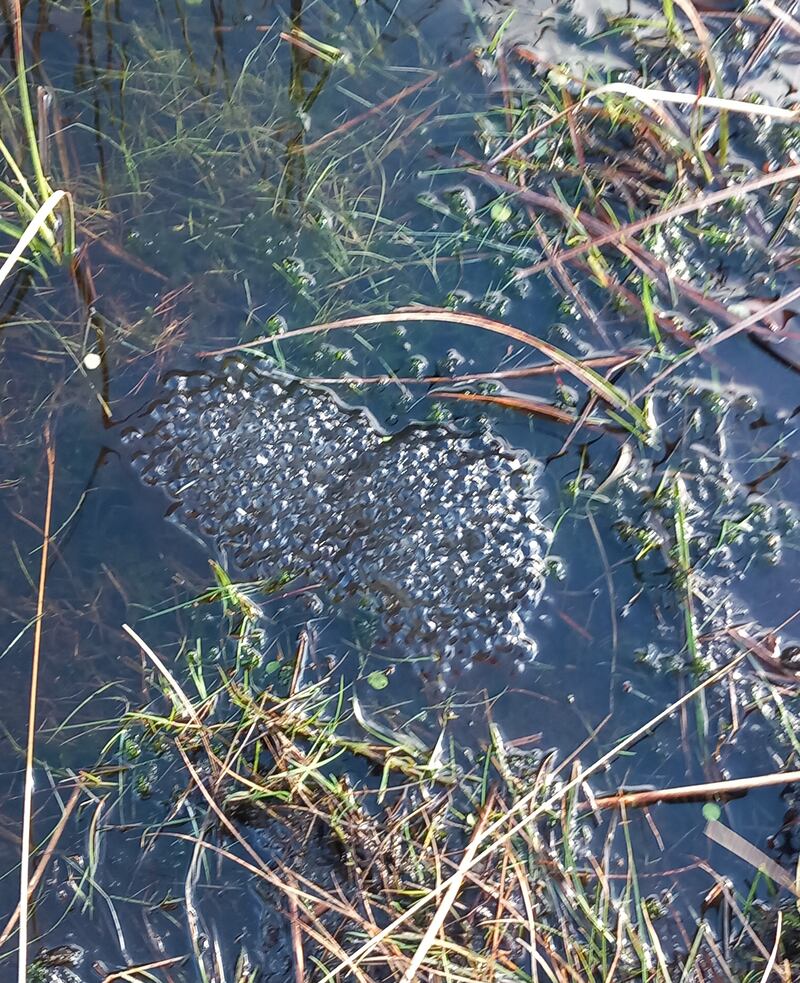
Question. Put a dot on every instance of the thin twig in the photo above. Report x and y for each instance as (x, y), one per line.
(27, 805)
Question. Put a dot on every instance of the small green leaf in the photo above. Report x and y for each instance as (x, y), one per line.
(500, 211)
(711, 811)
(378, 680)
(272, 667)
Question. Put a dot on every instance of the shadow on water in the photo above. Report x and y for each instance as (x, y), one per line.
(245, 169)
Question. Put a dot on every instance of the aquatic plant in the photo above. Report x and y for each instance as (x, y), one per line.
(41, 209)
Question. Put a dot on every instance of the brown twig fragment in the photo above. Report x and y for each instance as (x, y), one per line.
(696, 793)
(515, 401)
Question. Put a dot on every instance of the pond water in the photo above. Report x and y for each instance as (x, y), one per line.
(244, 169)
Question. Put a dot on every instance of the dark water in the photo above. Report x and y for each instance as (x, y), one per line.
(222, 193)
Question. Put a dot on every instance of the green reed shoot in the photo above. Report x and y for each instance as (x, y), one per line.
(40, 207)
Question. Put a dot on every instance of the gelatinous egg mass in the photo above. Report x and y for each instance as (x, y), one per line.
(436, 536)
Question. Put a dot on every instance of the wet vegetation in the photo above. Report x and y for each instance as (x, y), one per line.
(571, 231)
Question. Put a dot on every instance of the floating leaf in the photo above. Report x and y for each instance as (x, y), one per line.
(711, 811)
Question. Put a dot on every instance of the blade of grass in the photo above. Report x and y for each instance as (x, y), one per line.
(35, 226)
(608, 392)
(45, 191)
(685, 569)
(30, 198)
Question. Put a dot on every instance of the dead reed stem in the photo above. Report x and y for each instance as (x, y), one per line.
(694, 793)
(52, 843)
(27, 803)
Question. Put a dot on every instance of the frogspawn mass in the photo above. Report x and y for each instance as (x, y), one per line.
(432, 534)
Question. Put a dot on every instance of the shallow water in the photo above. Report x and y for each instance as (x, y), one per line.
(223, 194)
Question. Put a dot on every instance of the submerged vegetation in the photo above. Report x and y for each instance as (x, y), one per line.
(587, 239)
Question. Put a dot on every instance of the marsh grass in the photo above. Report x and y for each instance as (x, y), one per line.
(47, 215)
(512, 875)
(257, 173)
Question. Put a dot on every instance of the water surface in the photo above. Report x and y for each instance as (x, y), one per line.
(232, 179)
